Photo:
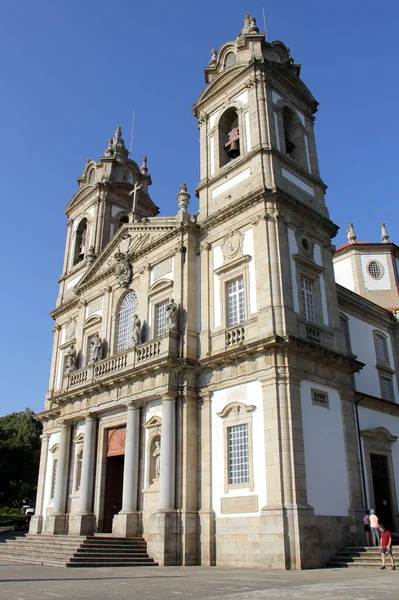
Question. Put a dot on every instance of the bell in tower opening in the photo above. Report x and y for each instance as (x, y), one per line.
(233, 145)
(229, 136)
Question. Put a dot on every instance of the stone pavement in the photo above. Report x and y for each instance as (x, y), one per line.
(20, 581)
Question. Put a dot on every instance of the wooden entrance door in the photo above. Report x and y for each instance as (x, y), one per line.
(382, 489)
(113, 489)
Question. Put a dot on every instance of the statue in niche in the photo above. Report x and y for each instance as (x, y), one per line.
(70, 360)
(95, 348)
(171, 315)
(122, 269)
(136, 337)
(157, 456)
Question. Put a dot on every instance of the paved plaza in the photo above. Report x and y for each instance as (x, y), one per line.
(19, 581)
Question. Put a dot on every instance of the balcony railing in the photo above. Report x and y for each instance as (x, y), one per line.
(235, 336)
(133, 358)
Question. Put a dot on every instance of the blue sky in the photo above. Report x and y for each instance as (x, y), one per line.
(71, 71)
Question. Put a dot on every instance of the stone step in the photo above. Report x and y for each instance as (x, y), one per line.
(140, 555)
(358, 556)
(77, 551)
(108, 564)
(109, 559)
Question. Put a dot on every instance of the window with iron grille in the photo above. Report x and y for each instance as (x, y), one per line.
(345, 330)
(53, 478)
(238, 454)
(381, 348)
(308, 300)
(320, 398)
(125, 322)
(160, 317)
(386, 388)
(235, 302)
(375, 269)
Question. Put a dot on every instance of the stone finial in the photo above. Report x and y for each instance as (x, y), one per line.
(183, 197)
(249, 25)
(351, 233)
(144, 168)
(116, 146)
(384, 234)
(214, 56)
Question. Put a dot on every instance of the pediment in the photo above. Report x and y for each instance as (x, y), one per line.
(131, 240)
(221, 80)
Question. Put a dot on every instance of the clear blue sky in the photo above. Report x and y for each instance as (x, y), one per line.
(71, 71)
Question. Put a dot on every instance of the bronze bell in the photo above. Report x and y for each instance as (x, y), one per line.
(234, 149)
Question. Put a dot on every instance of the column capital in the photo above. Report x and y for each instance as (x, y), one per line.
(133, 405)
(90, 417)
(168, 397)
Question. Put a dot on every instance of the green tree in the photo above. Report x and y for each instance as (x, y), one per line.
(19, 457)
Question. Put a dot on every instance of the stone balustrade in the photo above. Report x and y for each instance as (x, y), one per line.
(164, 347)
(235, 335)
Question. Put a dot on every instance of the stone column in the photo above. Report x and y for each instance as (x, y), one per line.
(206, 513)
(56, 522)
(84, 521)
(126, 523)
(163, 544)
(36, 523)
(168, 455)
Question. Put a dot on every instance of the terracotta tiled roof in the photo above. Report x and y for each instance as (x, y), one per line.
(349, 244)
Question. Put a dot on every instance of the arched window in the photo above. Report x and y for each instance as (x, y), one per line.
(80, 242)
(125, 322)
(92, 176)
(294, 136)
(127, 175)
(381, 348)
(229, 137)
(230, 59)
(344, 322)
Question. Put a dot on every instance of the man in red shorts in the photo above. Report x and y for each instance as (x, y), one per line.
(386, 546)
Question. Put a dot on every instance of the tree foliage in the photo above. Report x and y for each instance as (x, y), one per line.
(19, 457)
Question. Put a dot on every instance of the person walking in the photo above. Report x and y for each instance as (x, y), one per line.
(367, 529)
(386, 547)
(374, 524)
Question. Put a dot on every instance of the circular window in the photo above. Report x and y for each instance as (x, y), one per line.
(375, 269)
(305, 244)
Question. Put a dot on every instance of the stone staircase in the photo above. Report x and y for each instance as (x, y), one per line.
(77, 551)
(361, 556)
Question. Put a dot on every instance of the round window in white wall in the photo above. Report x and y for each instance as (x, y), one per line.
(375, 269)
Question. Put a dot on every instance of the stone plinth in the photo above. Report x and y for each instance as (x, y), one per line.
(127, 524)
(82, 524)
(164, 538)
(56, 525)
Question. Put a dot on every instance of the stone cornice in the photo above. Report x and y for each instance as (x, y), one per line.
(357, 305)
(322, 354)
(364, 400)
(64, 308)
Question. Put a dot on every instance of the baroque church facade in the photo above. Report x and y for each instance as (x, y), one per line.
(212, 388)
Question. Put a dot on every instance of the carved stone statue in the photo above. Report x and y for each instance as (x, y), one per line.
(70, 360)
(122, 269)
(252, 25)
(157, 455)
(136, 337)
(214, 56)
(171, 315)
(95, 348)
(247, 24)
